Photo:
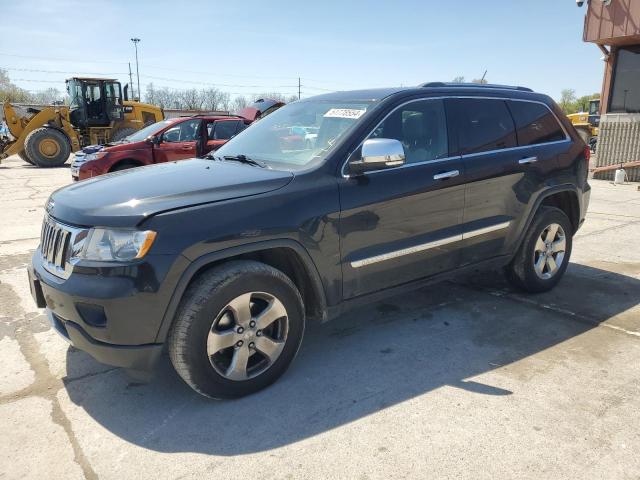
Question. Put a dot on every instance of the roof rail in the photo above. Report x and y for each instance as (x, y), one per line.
(473, 85)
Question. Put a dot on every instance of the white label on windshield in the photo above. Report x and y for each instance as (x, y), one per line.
(344, 113)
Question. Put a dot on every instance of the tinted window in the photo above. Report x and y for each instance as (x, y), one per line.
(187, 131)
(625, 95)
(535, 123)
(241, 127)
(484, 125)
(421, 127)
(224, 130)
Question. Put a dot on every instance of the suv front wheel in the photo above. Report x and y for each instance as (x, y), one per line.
(544, 254)
(237, 329)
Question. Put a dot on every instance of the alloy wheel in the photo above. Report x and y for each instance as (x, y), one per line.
(549, 251)
(247, 336)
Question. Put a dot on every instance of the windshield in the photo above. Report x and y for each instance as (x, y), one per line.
(149, 130)
(74, 89)
(296, 135)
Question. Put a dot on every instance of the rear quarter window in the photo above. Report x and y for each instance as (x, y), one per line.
(535, 124)
(483, 125)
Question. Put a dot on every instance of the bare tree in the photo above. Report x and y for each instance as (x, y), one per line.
(10, 92)
(166, 98)
(459, 79)
(47, 97)
(238, 103)
(191, 99)
(150, 95)
(225, 101)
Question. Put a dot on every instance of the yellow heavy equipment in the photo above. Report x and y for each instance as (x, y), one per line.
(97, 113)
(587, 123)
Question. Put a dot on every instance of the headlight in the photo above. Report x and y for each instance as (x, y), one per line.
(118, 245)
(94, 156)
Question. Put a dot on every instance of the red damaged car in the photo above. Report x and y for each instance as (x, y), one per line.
(168, 140)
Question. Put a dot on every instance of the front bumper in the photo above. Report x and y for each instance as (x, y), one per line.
(77, 160)
(139, 357)
(114, 314)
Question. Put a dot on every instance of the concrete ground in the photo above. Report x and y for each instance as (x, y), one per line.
(466, 379)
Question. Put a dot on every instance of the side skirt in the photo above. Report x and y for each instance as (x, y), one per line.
(492, 263)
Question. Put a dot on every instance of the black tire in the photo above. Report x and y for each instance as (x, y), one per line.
(203, 302)
(23, 156)
(521, 271)
(122, 133)
(47, 147)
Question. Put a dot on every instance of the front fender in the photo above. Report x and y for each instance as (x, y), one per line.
(213, 257)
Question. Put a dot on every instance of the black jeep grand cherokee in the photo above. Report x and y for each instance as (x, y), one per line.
(224, 259)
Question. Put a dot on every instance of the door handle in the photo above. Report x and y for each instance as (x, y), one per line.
(445, 175)
(528, 160)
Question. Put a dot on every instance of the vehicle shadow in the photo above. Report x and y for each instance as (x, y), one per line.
(369, 359)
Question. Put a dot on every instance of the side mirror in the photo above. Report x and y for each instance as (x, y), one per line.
(378, 154)
(152, 140)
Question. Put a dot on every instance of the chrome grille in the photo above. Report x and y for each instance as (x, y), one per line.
(57, 242)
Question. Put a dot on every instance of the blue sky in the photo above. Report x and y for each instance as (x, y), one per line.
(251, 46)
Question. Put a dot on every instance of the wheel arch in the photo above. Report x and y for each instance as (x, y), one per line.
(567, 201)
(565, 197)
(285, 255)
(123, 161)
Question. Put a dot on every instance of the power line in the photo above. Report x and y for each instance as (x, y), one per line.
(35, 81)
(157, 67)
(75, 60)
(165, 79)
(37, 70)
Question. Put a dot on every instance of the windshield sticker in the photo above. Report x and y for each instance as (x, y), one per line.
(344, 113)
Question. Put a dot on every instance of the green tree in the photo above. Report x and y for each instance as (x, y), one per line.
(567, 100)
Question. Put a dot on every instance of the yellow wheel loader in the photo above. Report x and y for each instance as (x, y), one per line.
(587, 123)
(97, 114)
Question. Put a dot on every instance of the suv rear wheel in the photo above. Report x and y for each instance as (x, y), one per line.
(237, 329)
(544, 254)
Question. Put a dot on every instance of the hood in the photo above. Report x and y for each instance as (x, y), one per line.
(125, 198)
(122, 146)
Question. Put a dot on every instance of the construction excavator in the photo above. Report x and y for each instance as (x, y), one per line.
(97, 113)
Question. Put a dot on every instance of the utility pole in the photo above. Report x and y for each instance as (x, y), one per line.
(131, 81)
(135, 43)
(299, 86)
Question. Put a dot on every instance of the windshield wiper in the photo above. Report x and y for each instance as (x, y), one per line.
(241, 159)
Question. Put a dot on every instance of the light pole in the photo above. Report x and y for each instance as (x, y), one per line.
(135, 44)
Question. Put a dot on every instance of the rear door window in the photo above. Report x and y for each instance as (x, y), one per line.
(225, 129)
(484, 125)
(535, 124)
